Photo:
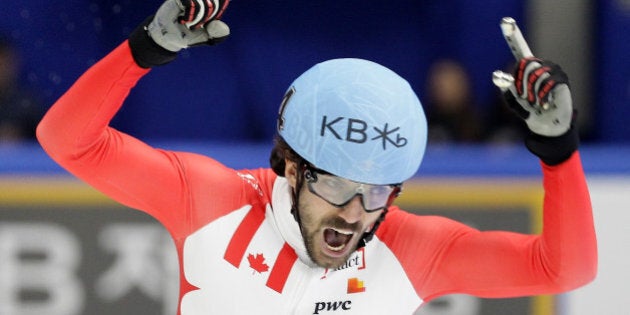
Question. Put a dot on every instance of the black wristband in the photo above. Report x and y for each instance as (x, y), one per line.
(145, 51)
(553, 150)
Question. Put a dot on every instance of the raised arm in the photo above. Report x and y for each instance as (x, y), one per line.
(76, 133)
(454, 258)
(506, 264)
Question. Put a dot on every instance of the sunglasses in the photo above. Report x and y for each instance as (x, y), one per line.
(339, 191)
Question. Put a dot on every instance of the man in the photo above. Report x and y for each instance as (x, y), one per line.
(317, 233)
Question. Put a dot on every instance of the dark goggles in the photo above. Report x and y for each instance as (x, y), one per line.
(339, 191)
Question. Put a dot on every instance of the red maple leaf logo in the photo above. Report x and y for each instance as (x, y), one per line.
(257, 263)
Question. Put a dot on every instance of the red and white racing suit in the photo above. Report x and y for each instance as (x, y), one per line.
(241, 251)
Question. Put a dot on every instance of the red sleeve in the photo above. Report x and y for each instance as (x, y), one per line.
(76, 134)
(442, 256)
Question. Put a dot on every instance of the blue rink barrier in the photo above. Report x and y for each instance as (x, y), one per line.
(480, 160)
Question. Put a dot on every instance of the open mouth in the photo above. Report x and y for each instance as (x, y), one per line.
(336, 240)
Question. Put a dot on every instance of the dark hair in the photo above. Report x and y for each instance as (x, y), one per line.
(279, 153)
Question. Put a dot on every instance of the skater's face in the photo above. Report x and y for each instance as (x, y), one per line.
(333, 213)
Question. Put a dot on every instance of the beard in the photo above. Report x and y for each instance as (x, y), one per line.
(313, 231)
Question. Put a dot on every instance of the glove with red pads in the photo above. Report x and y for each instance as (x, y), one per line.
(541, 96)
(178, 24)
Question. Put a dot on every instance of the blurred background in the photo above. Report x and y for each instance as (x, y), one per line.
(244, 78)
(222, 101)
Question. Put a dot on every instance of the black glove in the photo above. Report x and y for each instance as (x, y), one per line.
(178, 24)
(541, 96)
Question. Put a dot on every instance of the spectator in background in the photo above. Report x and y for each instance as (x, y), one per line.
(451, 113)
(20, 109)
(503, 127)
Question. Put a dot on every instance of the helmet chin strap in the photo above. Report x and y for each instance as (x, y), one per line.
(295, 197)
(367, 236)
